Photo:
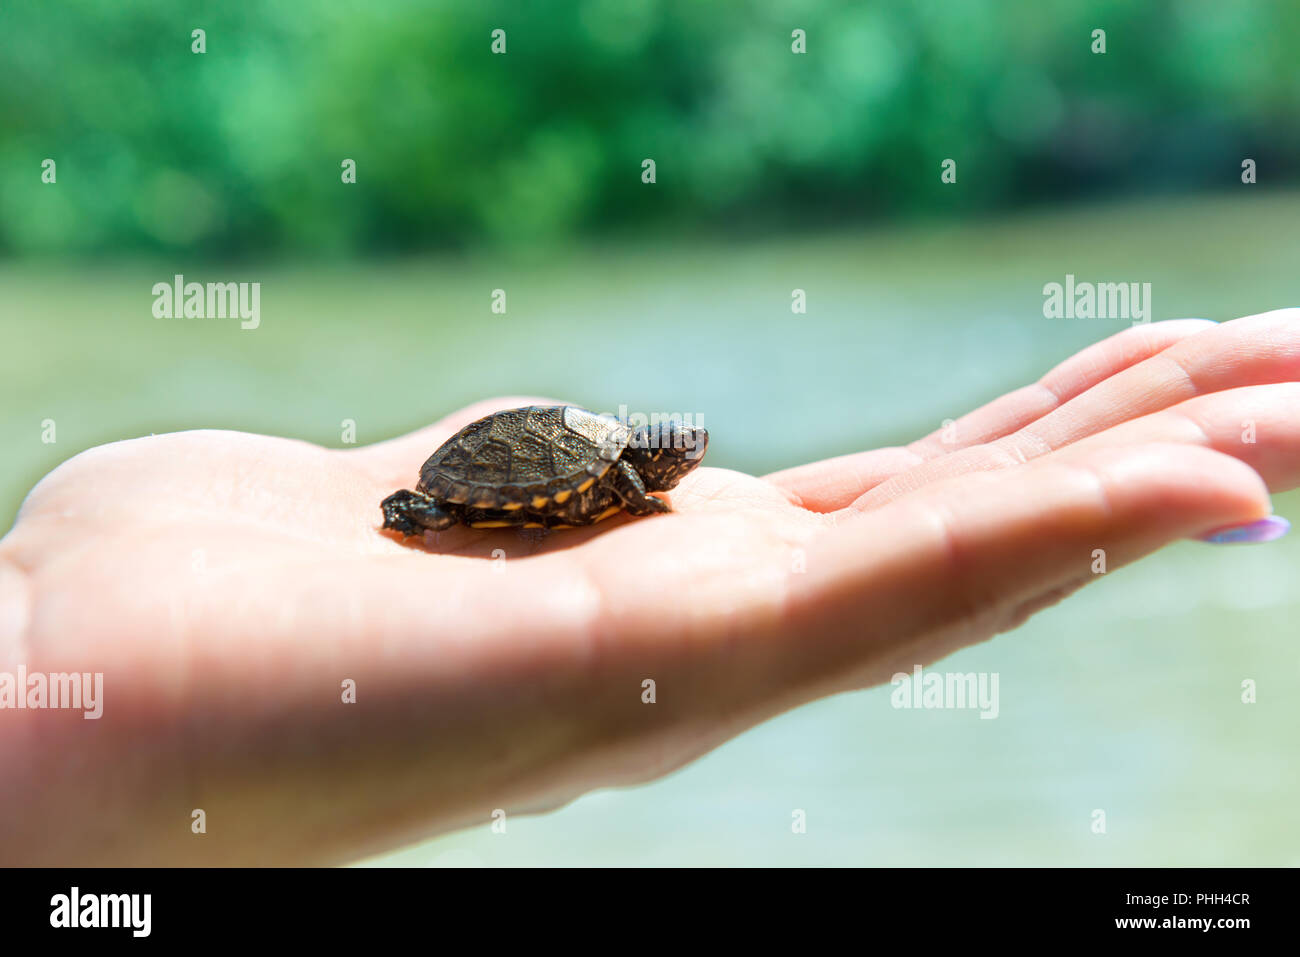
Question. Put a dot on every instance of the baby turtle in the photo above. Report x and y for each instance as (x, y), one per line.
(545, 467)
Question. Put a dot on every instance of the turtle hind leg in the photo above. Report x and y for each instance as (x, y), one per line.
(629, 487)
(411, 513)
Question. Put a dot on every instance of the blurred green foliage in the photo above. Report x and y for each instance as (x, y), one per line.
(238, 150)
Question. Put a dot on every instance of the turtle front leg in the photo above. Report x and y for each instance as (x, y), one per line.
(629, 487)
(411, 513)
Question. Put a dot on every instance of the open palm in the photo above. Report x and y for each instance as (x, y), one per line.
(233, 589)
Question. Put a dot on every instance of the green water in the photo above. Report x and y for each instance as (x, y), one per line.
(1126, 698)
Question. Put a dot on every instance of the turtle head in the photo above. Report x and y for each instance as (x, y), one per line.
(664, 453)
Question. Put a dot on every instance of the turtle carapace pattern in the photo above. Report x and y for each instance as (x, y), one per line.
(546, 467)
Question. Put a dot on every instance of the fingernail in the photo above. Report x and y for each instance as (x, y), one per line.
(1263, 530)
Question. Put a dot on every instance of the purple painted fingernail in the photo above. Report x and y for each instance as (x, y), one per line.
(1263, 530)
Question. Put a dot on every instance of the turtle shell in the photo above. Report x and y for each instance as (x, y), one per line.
(535, 458)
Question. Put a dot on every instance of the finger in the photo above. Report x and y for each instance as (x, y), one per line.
(1255, 350)
(1256, 424)
(398, 460)
(834, 483)
(1073, 377)
(967, 558)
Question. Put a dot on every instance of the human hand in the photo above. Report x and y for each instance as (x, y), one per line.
(227, 584)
